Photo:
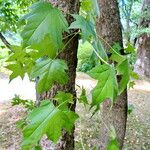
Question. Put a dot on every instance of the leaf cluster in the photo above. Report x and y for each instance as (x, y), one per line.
(42, 41)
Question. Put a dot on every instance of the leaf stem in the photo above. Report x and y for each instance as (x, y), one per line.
(100, 57)
(69, 35)
(70, 40)
(110, 46)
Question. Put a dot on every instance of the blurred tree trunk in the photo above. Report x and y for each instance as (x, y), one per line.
(142, 66)
(109, 29)
(70, 56)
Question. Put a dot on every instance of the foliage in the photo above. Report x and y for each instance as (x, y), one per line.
(86, 61)
(130, 16)
(37, 56)
(107, 83)
(83, 99)
(49, 71)
(29, 104)
(40, 22)
(47, 119)
(4, 54)
(10, 12)
(130, 108)
(113, 143)
(86, 26)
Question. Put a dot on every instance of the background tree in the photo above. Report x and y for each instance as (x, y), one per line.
(109, 29)
(142, 65)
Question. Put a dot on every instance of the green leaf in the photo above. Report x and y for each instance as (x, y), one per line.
(123, 69)
(17, 70)
(86, 5)
(49, 71)
(17, 55)
(46, 119)
(38, 147)
(134, 75)
(107, 86)
(130, 48)
(116, 56)
(97, 45)
(65, 98)
(90, 7)
(113, 145)
(86, 26)
(130, 108)
(44, 28)
(96, 7)
(83, 98)
(21, 61)
(131, 84)
(69, 117)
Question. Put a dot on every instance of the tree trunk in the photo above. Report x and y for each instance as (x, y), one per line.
(142, 66)
(109, 28)
(70, 56)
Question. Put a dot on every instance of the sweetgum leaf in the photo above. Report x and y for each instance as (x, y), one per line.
(97, 45)
(113, 145)
(62, 97)
(86, 26)
(49, 71)
(17, 70)
(123, 69)
(46, 119)
(107, 86)
(21, 61)
(130, 48)
(44, 28)
(83, 97)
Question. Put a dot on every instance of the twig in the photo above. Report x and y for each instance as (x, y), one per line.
(5, 41)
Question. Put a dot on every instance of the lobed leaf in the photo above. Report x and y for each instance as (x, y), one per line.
(46, 119)
(123, 69)
(107, 86)
(49, 71)
(44, 28)
(86, 26)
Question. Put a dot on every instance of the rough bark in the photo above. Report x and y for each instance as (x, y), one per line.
(142, 66)
(109, 28)
(70, 56)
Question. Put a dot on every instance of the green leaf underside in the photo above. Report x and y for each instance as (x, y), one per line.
(44, 28)
(123, 69)
(107, 86)
(86, 26)
(46, 119)
(49, 71)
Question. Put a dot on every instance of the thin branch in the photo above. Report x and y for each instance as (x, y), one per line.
(7, 44)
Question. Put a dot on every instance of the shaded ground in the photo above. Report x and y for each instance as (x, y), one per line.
(87, 129)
